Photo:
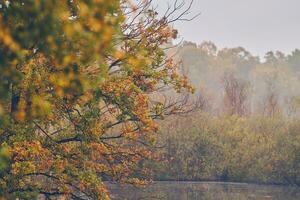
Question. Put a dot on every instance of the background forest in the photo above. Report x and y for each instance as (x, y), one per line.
(247, 126)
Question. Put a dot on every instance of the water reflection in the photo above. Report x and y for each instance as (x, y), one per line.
(205, 191)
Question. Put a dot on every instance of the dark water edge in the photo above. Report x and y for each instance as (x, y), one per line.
(204, 191)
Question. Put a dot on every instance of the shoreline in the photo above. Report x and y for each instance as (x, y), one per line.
(215, 182)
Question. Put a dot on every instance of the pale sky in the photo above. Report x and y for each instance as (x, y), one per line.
(257, 25)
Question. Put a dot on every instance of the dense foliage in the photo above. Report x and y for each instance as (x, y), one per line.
(75, 94)
(232, 148)
(248, 127)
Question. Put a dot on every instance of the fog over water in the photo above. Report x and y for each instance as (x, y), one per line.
(257, 25)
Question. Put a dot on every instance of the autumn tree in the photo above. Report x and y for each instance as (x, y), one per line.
(77, 82)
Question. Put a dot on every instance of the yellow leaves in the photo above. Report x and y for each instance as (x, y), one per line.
(51, 42)
(30, 157)
(141, 109)
(97, 129)
(4, 151)
(119, 54)
(107, 34)
(40, 106)
(69, 59)
(59, 165)
(117, 86)
(135, 64)
(20, 115)
(138, 63)
(128, 131)
(185, 84)
(1, 110)
(8, 41)
(24, 167)
(96, 24)
(62, 81)
(64, 15)
(5, 157)
(6, 37)
(68, 30)
(158, 108)
(83, 9)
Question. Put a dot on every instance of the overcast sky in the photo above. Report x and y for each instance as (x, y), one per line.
(257, 25)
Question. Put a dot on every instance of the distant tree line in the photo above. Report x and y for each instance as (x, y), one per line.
(247, 128)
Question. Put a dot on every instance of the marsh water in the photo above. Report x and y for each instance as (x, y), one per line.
(205, 191)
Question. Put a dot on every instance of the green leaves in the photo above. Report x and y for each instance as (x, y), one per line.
(4, 158)
(5, 162)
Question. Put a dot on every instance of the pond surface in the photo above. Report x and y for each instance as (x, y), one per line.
(205, 191)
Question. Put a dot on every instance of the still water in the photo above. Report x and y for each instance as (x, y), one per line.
(205, 191)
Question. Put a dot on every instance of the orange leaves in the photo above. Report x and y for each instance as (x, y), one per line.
(141, 109)
(117, 86)
(169, 64)
(59, 165)
(141, 100)
(119, 55)
(98, 147)
(127, 94)
(95, 24)
(30, 157)
(28, 150)
(20, 115)
(128, 131)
